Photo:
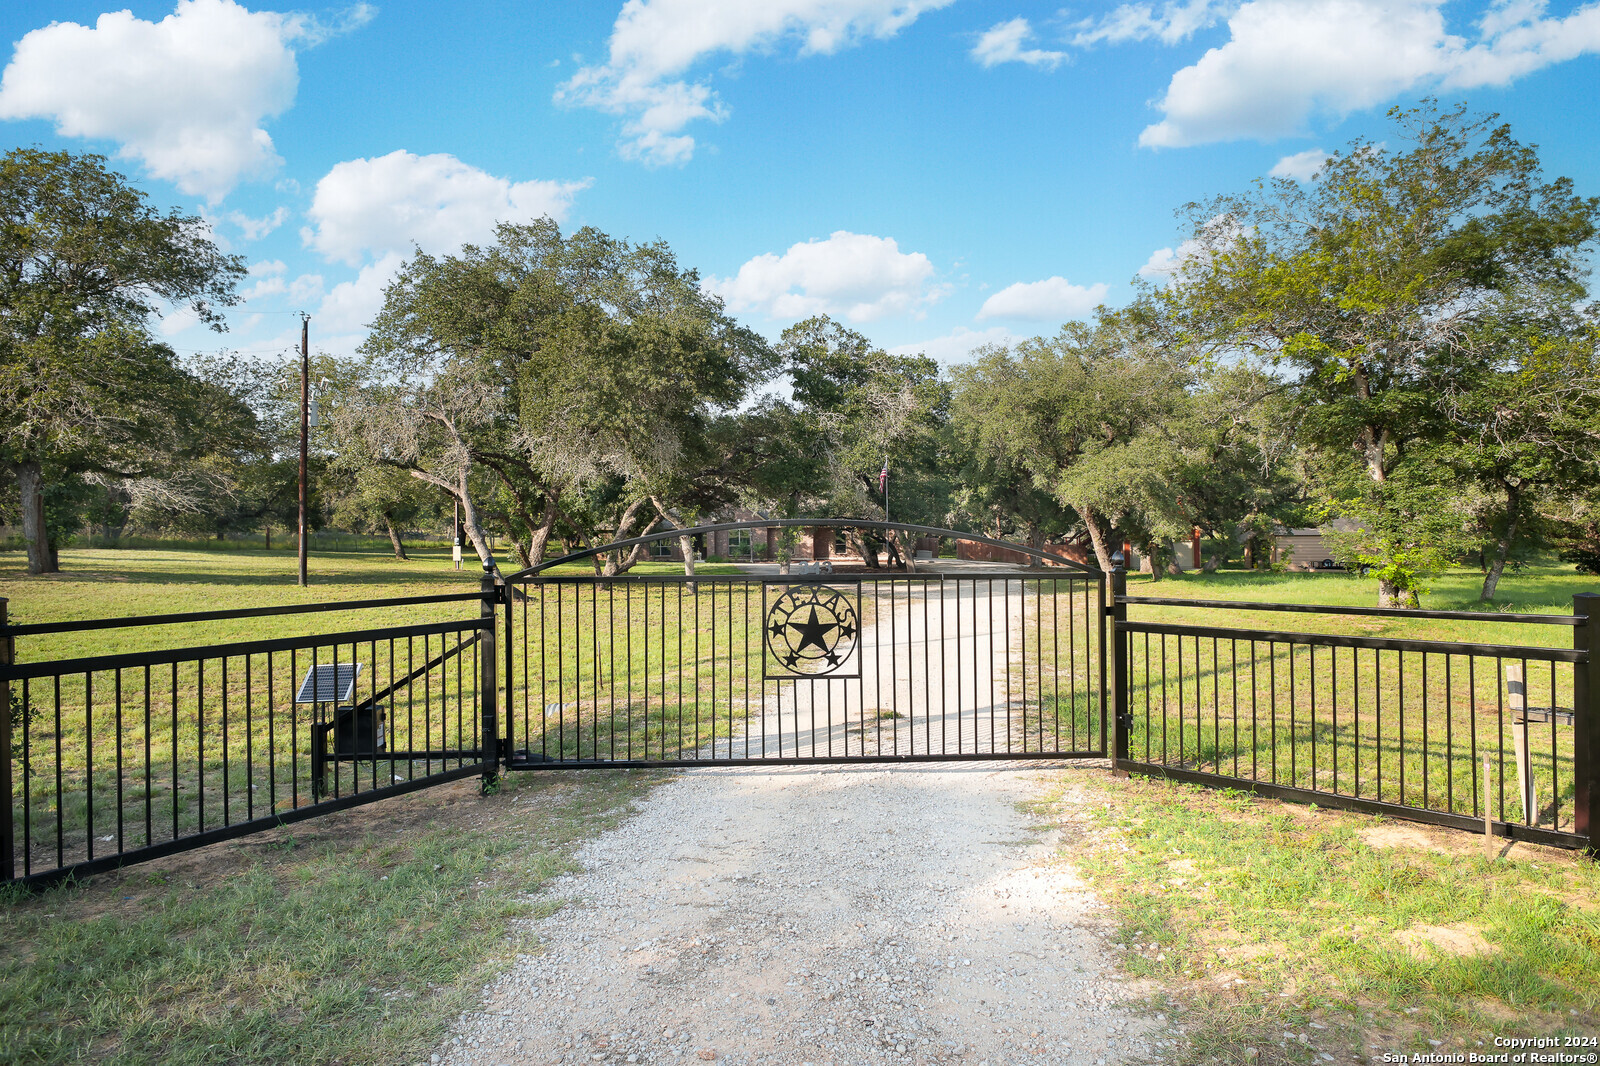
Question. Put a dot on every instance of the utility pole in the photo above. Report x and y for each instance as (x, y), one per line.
(305, 408)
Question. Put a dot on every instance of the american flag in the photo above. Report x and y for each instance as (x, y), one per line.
(883, 476)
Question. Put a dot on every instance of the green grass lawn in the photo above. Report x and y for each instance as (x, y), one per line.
(1402, 726)
(1276, 933)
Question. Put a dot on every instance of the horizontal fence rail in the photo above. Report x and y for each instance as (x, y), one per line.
(1440, 731)
(119, 758)
(669, 671)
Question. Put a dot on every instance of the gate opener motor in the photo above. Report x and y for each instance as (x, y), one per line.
(357, 729)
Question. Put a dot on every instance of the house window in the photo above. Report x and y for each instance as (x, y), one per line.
(840, 547)
(739, 545)
(661, 549)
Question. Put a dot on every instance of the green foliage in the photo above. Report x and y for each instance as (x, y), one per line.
(1400, 291)
(1085, 416)
(519, 376)
(21, 713)
(855, 407)
(84, 386)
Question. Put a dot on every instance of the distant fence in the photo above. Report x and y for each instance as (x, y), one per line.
(111, 759)
(1390, 726)
(977, 550)
(319, 541)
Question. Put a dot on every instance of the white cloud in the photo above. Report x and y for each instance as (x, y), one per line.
(268, 276)
(1164, 261)
(271, 279)
(386, 204)
(1002, 43)
(1288, 59)
(655, 42)
(1055, 299)
(1140, 22)
(253, 229)
(856, 275)
(1219, 231)
(958, 345)
(1302, 166)
(186, 96)
(351, 305)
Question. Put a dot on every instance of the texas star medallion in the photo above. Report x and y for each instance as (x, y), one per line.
(811, 629)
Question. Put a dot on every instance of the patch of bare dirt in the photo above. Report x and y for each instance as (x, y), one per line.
(1462, 941)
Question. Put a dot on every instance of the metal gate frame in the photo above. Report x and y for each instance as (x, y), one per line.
(1092, 582)
(290, 768)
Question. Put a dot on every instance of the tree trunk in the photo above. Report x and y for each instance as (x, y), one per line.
(1503, 546)
(518, 549)
(1391, 594)
(1036, 542)
(686, 549)
(266, 532)
(899, 558)
(539, 536)
(394, 539)
(469, 518)
(41, 553)
(685, 544)
(868, 557)
(1097, 537)
(615, 563)
(1152, 561)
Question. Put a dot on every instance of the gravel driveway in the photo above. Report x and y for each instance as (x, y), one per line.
(850, 915)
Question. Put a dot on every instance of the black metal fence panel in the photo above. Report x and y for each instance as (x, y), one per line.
(733, 669)
(1441, 731)
(119, 758)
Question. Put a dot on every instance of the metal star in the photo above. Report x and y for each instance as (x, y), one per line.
(811, 633)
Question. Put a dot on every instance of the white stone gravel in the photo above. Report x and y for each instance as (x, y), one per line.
(848, 915)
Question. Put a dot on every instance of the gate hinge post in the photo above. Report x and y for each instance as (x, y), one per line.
(8, 869)
(1586, 721)
(1121, 677)
(489, 716)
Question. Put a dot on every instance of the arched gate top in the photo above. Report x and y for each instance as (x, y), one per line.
(790, 523)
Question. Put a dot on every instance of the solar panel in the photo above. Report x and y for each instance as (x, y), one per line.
(333, 683)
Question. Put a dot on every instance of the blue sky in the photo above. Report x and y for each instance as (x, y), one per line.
(936, 173)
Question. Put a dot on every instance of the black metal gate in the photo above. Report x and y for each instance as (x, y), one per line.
(939, 662)
(114, 759)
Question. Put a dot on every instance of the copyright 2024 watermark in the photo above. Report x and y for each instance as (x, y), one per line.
(1510, 1049)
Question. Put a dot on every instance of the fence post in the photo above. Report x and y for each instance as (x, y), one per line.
(489, 739)
(1122, 721)
(8, 836)
(1585, 720)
